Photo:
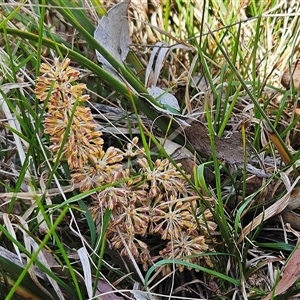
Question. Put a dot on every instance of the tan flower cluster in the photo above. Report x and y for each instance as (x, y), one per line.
(149, 200)
(157, 204)
(71, 127)
(65, 116)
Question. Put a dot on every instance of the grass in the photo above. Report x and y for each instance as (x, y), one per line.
(180, 220)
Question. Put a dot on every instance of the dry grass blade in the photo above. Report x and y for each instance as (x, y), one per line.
(13, 122)
(84, 259)
(271, 211)
(290, 274)
(16, 223)
(155, 64)
(42, 258)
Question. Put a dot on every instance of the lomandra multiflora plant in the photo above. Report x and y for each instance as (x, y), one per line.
(149, 201)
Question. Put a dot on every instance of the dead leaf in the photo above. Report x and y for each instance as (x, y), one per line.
(228, 149)
(164, 97)
(292, 73)
(141, 295)
(290, 274)
(295, 199)
(113, 34)
(292, 218)
(271, 211)
(200, 82)
(289, 215)
(105, 288)
(180, 155)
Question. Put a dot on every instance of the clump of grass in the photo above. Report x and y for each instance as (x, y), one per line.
(125, 190)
